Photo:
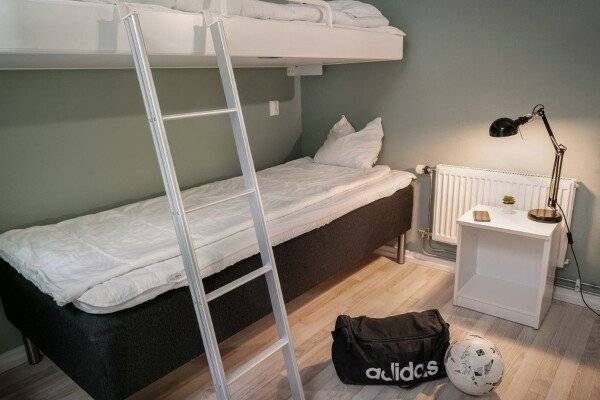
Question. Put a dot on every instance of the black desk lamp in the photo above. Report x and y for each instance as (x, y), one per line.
(504, 127)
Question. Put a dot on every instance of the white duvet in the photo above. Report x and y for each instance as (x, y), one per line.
(344, 12)
(129, 254)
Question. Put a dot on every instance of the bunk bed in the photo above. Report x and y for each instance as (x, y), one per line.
(103, 295)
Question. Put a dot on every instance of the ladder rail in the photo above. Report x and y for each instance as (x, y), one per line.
(247, 164)
(173, 193)
(240, 135)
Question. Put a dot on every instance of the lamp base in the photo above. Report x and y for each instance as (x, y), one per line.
(546, 215)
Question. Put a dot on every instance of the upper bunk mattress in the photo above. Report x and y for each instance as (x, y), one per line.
(116, 259)
(44, 34)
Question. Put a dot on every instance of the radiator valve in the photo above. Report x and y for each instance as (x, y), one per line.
(423, 169)
(424, 233)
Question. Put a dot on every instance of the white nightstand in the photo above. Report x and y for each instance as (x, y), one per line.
(506, 267)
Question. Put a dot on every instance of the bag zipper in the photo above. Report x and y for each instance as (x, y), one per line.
(362, 339)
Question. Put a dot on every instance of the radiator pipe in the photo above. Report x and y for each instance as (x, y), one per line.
(426, 241)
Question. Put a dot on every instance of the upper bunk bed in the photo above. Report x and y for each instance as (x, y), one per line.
(70, 34)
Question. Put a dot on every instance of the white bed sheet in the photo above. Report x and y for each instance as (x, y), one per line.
(68, 259)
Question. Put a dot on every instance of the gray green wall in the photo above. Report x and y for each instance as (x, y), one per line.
(76, 141)
(468, 62)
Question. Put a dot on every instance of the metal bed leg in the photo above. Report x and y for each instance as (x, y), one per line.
(401, 249)
(34, 355)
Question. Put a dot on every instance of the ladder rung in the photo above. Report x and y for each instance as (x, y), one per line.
(223, 200)
(237, 283)
(257, 359)
(197, 114)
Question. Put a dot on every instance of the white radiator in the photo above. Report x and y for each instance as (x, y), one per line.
(458, 189)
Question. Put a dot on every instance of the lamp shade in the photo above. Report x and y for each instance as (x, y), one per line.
(504, 127)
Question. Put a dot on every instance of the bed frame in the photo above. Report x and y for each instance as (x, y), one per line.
(113, 356)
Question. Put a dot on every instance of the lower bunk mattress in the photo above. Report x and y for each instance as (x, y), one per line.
(115, 355)
(117, 259)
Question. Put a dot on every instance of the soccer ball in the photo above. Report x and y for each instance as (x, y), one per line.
(474, 365)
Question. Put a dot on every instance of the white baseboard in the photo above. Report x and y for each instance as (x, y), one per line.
(573, 297)
(560, 293)
(425, 260)
(432, 262)
(12, 358)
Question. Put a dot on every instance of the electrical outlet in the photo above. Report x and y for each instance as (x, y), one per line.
(273, 108)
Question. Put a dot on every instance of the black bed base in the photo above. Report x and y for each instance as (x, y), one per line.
(113, 356)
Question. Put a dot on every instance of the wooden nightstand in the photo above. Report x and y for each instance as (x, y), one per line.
(506, 267)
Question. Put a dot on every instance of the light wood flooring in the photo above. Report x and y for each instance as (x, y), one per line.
(560, 361)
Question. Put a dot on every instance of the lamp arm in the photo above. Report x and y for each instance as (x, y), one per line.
(558, 161)
(555, 180)
(555, 143)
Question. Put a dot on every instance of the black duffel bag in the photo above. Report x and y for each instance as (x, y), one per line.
(402, 350)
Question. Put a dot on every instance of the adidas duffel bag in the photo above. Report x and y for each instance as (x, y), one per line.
(402, 350)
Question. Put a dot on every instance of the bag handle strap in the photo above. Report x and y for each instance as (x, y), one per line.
(343, 327)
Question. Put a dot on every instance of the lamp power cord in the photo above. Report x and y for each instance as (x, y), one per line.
(571, 241)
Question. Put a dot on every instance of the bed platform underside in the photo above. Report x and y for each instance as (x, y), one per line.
(113, 356)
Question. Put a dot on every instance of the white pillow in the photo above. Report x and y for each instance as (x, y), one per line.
(231, 7)
(164, 3)
(356, 9)
(341, 128)
(354, 150)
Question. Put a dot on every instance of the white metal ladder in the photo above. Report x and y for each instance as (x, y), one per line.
(269, 270)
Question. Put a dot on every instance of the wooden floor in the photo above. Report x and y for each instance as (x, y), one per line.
(560, 361)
